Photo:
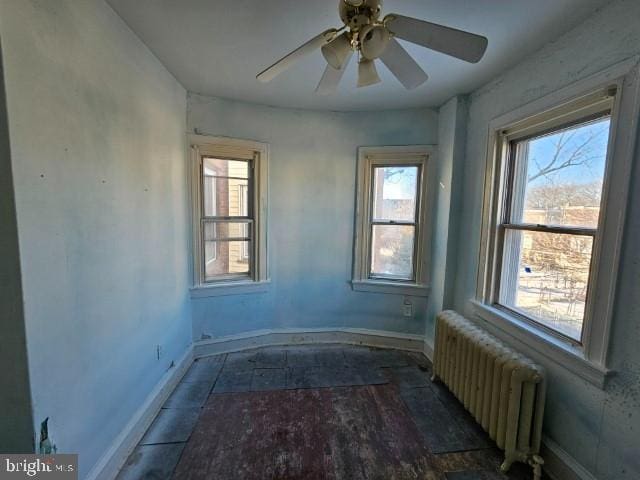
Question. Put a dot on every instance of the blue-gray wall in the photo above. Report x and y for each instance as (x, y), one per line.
(452, 131)
(599, 428)
(97, 150)
(311, 205)
(97, 133)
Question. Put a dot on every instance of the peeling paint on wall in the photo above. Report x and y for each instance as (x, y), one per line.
(46, 445)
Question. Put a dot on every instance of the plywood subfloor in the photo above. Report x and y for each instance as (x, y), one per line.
(328, 433)
(331, 412)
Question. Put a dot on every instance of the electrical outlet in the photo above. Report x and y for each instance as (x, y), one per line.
(407, 309)
(158, 351)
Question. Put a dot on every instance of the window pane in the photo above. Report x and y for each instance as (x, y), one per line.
(224, 258)
(394, 193)
(225, 197)
(545, 276)
(225, 187)
(217, 230)
(225, 168)
(559, 176)
(392, 251)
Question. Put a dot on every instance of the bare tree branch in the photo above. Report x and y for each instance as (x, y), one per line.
(559, 159)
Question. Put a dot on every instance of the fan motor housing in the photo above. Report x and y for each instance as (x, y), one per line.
(356, 17)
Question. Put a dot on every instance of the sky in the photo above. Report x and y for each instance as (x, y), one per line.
(542, 148)
(401, 185)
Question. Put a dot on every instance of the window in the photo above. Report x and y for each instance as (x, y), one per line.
(554, 191)
(391, 220)
(555, 195)
(229, 212)
(227, 224)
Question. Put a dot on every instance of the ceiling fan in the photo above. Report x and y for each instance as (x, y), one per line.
(371, 38)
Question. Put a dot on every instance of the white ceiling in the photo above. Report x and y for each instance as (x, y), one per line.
(216, 47)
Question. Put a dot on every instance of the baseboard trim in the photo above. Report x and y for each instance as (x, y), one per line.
(559, 465)
(111, 462)
(295, 336)
(428, 350)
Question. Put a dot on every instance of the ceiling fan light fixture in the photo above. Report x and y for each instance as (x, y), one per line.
(337, 50)
(367, 73)
(373, 41)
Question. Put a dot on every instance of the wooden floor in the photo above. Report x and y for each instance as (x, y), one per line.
(332, 412)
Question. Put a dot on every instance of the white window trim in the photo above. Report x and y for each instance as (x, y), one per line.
(225, 147)
(589, 361)
(367, 157)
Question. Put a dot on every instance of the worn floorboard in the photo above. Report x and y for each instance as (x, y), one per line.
(171, 425)
(151, 462)
(442, 430)
(204, 370)
(312, 433)
(325, 412)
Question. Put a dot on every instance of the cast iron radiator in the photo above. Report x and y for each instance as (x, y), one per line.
(501, 388)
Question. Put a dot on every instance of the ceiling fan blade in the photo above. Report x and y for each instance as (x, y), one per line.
(403, 66)
(331, 78)
(287, 61)
(450, 41)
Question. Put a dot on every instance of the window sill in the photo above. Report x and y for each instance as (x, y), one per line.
(394, 288)
(535, 342)
(230, 288)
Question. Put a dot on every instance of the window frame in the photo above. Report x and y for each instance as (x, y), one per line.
(599, 109)
(257, 154)
(415, 223)
(213, 207)
(246, 220)
(244, 197)
(577, 101)
(370, 158)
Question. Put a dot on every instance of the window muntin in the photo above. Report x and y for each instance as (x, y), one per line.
(554, 189)
(227, 221)
(394, 221)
